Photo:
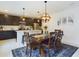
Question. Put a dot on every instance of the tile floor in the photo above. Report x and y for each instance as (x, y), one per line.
(7, 45)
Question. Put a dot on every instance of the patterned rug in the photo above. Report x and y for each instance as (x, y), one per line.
(66, 51)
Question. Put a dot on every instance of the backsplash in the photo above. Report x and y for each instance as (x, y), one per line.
(9, 27)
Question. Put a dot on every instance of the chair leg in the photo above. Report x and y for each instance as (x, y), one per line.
(48, 52)
(30, 51)
(26, 49)
(39, 49)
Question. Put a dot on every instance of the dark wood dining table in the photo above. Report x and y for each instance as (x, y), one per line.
(37, 43)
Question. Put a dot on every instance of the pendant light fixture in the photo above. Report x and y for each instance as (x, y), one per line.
(45, 17)
(23, 18)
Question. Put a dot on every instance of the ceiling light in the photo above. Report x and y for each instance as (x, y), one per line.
(45, 17)
(6, 10)
(23, 17)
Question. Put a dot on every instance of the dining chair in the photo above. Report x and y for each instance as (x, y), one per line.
(53, 42)
(49, 43)
(27, 40)
(31, 42)
(58, 37)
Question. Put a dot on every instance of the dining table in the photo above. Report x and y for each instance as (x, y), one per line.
(38, 39)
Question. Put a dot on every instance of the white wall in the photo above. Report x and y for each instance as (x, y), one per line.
(71, 30)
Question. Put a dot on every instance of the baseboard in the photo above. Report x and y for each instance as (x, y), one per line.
(70, 43)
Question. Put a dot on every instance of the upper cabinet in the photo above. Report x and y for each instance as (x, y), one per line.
(14, 20)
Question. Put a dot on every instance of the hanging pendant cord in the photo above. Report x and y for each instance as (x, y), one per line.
(23, 12)
(45, 7)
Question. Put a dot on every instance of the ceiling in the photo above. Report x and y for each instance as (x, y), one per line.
(32, 7)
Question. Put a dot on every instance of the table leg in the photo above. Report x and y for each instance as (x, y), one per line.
(42, 52)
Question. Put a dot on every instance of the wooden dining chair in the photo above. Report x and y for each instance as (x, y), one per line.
(27, 40)
(58, 38)
(53, 41)
(49, 43)
(31, 42)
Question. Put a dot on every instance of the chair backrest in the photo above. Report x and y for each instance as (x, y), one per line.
(26, 37)
(51, 40)
(52, 34)
(58, 37)
(58, 34)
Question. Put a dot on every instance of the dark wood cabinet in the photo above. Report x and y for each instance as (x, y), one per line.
(14, 20)
(9, 34)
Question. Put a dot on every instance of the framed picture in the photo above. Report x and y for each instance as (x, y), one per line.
(70, 19)
(64, 20)
(59, 22)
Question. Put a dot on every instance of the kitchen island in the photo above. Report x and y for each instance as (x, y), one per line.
(20, 33)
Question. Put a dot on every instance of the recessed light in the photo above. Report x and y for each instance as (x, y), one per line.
(6, 10)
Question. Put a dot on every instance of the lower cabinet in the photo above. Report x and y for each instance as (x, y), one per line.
(7, 34)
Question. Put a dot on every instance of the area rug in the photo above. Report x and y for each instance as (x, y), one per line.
(66, 51)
